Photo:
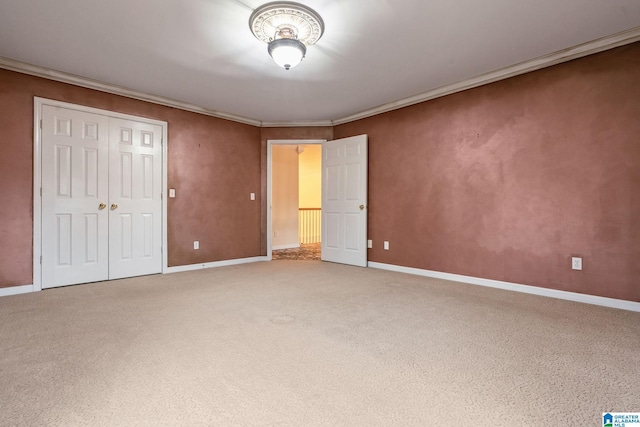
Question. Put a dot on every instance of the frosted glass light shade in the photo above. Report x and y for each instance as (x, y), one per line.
(287, 53)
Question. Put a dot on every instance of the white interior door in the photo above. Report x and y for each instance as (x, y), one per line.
(75, 228)
(135, 198)
(344, 201)
(101, 197)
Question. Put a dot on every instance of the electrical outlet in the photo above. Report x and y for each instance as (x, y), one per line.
(369, 243)
(576, 263)
(386, 245)
(196, 245)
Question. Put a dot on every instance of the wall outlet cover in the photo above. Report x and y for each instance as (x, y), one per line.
(576, 263)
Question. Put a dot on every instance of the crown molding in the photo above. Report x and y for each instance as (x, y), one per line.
(315, 123)
(59, 76)
(585, 49)
(605, 43)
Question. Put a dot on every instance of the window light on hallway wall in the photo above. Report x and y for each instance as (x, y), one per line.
(287, 28)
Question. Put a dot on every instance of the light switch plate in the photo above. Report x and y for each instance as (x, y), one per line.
(576, 263)
(172, 193)
(386, 245)
(252, 196)
(196, 245)
(369, 243)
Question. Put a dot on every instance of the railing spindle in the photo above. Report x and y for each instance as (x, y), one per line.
(310, 224)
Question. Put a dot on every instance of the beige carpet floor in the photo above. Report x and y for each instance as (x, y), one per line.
(305, 343)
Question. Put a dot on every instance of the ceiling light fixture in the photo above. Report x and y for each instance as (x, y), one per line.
(288, 28)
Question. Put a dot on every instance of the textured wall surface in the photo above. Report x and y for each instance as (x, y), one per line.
(213, 164)
(509, 180)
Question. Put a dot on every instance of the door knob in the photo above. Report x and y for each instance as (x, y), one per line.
(114, 206)
(102, 206)
(361, 207)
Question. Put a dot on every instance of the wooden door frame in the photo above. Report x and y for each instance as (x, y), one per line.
(270, 144)
(38, 102)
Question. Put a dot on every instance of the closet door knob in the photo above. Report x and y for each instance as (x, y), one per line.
(114, 206)
(102, 206)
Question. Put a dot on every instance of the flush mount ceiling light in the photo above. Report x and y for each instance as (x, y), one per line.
(288, 28)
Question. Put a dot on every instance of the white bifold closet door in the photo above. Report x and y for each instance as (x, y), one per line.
(101, 197)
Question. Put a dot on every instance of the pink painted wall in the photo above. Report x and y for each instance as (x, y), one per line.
(509, 180)
(213, 164)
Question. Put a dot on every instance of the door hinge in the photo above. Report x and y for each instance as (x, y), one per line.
(40, 123)
(40, 259)
(40, 191)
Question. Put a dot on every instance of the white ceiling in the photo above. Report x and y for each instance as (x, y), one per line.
(373, 52)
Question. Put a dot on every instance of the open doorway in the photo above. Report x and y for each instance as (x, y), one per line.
(294, 199)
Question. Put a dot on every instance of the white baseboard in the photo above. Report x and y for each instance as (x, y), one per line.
(15, 290)
(527, 289)
(291, 246)
(225, 263)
